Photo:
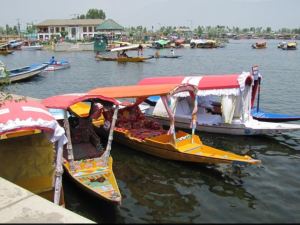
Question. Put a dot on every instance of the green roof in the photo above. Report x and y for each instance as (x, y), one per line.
(109, 25)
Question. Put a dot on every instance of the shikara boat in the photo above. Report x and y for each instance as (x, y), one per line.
(23, 73)
(136, 131)
(31, 148)
(224, 105)
(85, 159)
(105, 58)
(203, 43)
(259, 45)
(290, 46)
(122, 57)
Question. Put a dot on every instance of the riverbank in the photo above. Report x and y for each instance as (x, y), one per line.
(18, 205)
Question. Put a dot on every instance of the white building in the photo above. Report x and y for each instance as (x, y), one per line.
(77, 29)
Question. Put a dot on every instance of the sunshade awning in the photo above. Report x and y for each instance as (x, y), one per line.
(28, 115)
(138, 91)
(207, 84)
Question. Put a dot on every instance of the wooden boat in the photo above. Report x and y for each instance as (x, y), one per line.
(31, 148)
(137, 132)
(290, 46)
(105, 58)
(123, 57)
(259, 45)
(23, 73)
(85, 160)
(224, 105)
(4, 50)
(58, 65)
(31, 45)
(203, 43)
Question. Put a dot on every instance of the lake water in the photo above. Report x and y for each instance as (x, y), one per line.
(160, 191)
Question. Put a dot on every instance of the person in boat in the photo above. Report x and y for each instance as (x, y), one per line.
(52, 61)
(140, 50)
(123, 54)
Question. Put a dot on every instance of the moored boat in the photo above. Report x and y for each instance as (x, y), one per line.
(86, 160)
(4, 49)
(31, 45)
(147, 135)
(23, 73)
(224, 105)
(31, 148)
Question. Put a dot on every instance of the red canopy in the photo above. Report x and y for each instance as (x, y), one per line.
(205, 82)
(25, 114)
(67, 100)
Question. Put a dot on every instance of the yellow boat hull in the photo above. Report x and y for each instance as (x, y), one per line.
(131, 59)
(98, 180)
(185, 150)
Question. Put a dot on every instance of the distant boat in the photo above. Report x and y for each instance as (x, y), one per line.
(31, 45)
(203, 43)
(123, 57)
(15, 44)
(290, 46)
(58, 65)
(22, 73)
(260, 45)
(4, 49)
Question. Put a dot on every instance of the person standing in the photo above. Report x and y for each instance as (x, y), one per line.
(172, 52)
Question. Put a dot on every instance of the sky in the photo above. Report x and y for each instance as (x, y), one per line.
(276, 14)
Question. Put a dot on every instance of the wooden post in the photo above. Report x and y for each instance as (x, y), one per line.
(69, 144)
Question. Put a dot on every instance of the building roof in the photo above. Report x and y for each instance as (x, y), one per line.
(109, 24)
(70, 22)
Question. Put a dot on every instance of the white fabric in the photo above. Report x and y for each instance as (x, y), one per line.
(219, 92)
(192, 80)
(204, 118)
(228, 105)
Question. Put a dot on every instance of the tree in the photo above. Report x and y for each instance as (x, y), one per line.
(95, 14)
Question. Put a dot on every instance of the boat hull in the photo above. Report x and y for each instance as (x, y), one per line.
(272, 117)
(89, 180)
(57, 67)
(185, 149)
(131, 59)
(252, 128)
(25, 73)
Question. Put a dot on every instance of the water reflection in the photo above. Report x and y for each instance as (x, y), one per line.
(165, 191)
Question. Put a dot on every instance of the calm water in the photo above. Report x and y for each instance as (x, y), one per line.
(160, 191)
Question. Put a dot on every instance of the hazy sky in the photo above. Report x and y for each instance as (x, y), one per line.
(242, 13)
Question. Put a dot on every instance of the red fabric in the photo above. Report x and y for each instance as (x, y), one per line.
(23, 110)
(206, 82)
(17, 111)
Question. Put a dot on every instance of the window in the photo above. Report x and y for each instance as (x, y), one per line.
(62, 28)
(51, 30)
(84, 29)
(90, 29)
(57, 29)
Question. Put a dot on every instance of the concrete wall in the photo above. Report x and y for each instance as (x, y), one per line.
(18, 205)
